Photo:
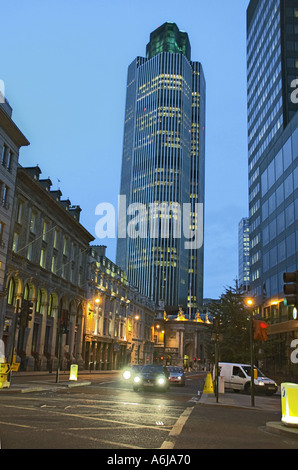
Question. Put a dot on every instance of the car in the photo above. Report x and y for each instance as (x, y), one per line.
(152, 376)
(129, 372)
(176, 375)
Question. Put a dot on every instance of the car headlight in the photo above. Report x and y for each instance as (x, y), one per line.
(126, 374)
(161, 381)
(137, 380)
(260, 382)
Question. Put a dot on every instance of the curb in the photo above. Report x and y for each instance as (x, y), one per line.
(46, 387)
(276, 427)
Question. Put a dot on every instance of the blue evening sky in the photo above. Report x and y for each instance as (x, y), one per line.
(64, 64)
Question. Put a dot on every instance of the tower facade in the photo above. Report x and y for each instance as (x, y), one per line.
(272, 70)
(162, 179)
(243, 254)
(272, 78)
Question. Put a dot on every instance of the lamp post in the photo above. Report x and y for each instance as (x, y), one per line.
(249, 303)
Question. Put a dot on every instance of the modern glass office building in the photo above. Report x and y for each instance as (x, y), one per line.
(243, 255)
(163, 171)
(272, 71)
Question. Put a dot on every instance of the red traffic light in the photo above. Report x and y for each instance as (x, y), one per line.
(260, 332)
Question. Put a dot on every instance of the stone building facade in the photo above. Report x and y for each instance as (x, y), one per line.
(180, 340)
(47, 261)
(119, 321)
(11, 140)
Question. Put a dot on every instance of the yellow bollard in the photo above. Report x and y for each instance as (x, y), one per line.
(73, 372)
(289, 403)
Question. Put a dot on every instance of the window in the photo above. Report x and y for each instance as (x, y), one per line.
(44, 231)
(20, 212)
(264, 182)
(271, 202)
(43, 258)
(11, 291)
(15, 242)
(4, 155)
(281, 251)
(9, 160)
(5, 196)
(29, 252)
(271, 174)
(278, 165)
(33, 222)
(2, 225)
(290, 244)
(279, 195)
(54, 264)
(56, 236)
(289, 213)
(288, 186)
(287, 154)
(65, 245)
(280, 222)
(265, 235)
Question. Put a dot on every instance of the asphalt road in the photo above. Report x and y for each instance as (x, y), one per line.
(108, 415)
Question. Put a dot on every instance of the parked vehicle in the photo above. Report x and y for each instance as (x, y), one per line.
(238, 378)
(176, 375)
(129, 372)
(152, 376)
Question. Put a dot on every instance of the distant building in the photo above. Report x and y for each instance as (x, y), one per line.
(243, 255)
(47, 262)
(164, 163)
(180, 340)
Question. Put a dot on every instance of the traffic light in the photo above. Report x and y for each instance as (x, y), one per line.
(260, 332)
(64, 321)
(26, 313)
(291, 288)
(29, 311)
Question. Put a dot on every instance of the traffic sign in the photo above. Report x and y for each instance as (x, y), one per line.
(4, 368)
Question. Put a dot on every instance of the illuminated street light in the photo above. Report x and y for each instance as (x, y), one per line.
(249, 302)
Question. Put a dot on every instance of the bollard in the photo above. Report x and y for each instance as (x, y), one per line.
(73, 372)
(289, 404)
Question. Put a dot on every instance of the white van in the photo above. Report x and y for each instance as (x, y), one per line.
(237, 377)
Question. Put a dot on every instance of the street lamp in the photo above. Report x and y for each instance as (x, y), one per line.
(249, 302)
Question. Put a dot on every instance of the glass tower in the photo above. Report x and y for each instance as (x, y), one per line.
(163, 167)
(243, 254)
(272, 70)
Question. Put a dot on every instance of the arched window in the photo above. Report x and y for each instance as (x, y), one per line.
(41, 301)
(28, 292)
(53, 305)
(11, 292)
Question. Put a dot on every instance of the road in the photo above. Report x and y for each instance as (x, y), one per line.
(109, 415)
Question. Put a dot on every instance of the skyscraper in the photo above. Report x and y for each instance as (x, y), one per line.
(272, 90)
(243, 254)
(163, 168)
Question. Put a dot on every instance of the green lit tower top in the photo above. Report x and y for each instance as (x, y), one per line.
(168, 38)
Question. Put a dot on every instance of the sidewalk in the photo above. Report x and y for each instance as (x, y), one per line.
(36, 385)
(262, 403)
